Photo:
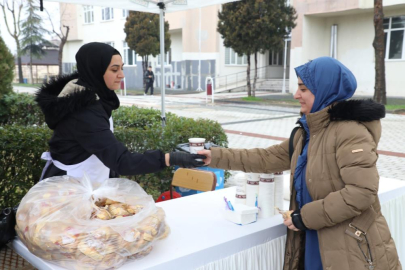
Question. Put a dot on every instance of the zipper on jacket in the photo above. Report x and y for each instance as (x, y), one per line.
(358, 233)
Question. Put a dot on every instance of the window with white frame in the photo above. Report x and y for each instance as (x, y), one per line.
(394, 28)
(276, 58)
(88, 14)
(168, 58)
(232, 58)
(111, 43)
(107, 14)
(129, 55)
(125, 13)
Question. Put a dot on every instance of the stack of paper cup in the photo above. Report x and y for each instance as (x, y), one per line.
(252, 189)
(240, 196)
(266, 195)
(279, 191)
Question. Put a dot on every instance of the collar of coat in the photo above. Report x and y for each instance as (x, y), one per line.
(360, 110)
(61, 97)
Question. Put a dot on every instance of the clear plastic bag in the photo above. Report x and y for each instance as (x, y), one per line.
(62, 219)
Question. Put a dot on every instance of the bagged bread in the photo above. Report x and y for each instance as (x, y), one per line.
(63, 220)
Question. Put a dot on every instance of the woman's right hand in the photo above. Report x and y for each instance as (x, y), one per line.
(206, 153)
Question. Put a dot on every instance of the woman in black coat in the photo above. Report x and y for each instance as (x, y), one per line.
(78, 109)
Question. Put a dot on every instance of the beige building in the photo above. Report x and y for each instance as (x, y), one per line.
(92, 23)
(344, 29)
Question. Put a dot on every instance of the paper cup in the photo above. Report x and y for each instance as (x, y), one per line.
(196, 144)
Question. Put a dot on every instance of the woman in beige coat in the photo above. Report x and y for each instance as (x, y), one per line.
(336, 222)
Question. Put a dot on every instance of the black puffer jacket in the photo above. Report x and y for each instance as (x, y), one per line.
(81, 128)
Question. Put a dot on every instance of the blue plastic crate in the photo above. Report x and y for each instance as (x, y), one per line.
(220, 174)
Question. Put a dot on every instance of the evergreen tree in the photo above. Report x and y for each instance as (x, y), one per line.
(14, 7)
(6, 69)
(255, 26)
(32, 34)
(143, 35)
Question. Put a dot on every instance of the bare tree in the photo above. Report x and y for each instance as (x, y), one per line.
(14, 7)
(380, 94)
(62, 35)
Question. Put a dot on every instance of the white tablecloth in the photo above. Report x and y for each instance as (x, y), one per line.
(202, 239)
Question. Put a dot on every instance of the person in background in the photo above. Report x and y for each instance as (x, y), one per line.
(336, 220)
(78, 108)
(149, 79)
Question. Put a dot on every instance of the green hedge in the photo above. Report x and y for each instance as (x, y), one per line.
(24, 136)
(20, 160)
(20, 109)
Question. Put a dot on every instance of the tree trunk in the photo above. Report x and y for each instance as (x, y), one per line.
(380, 94)
(20, 73)
(144, 68)
(61, 46)
(255, 78)
(249, 86)
(60, 55)
(31, 77)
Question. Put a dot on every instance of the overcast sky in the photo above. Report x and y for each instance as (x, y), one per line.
(53, 9)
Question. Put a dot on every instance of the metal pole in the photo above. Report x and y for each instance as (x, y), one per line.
(125, 87)
(199, 55)
(285, 65)
(332, 29)
(162, 55)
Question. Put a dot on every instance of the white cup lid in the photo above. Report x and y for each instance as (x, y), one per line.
(196, 140)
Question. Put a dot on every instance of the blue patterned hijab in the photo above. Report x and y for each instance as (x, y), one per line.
(329, 81)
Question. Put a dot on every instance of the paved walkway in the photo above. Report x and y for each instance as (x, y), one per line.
(251, 126)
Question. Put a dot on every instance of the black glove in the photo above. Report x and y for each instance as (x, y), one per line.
(297, 220)
(186, 160)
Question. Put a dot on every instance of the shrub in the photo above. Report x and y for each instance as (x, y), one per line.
(6, 69)
(20, 109)
(139, 129)
(20, 160)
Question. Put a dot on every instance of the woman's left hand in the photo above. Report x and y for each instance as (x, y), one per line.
(290, 225)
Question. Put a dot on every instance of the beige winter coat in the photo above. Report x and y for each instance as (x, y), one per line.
(342, 180)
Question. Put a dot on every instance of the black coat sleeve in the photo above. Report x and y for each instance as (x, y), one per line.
(92, 131)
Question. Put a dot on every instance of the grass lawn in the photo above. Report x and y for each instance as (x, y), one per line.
(270, 100)
(132, 92)
(35, 85)
(394, 107)
(393, 103)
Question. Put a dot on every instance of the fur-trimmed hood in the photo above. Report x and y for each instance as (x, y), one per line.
(362, 110)
(61, 97)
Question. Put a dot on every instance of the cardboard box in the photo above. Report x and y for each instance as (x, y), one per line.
(220, 174)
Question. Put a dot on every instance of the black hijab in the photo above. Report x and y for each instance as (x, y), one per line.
(92, 62)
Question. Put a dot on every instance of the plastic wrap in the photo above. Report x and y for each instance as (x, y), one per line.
(62, 219)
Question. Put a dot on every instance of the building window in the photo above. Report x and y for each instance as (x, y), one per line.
(125, 13)
(276, 58)
(88, 14)
(394, 29)
(232, 58)
(129, 56)
(168, 57)
(111, 43)
(107, 14)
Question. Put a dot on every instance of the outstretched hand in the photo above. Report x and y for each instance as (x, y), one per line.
(186, 160)
(206, 153)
